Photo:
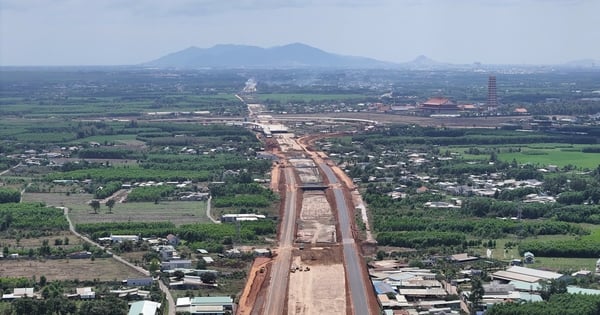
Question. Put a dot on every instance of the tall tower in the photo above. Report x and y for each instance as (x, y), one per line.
(492, 101)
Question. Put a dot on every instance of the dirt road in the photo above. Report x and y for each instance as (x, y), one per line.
(118, 258)
(277, 291)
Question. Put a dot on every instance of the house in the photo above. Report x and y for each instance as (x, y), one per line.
(262, 252)
(233, 217)
(123, 238)
(167, 252)
(139, 282)
(462, 258)
(176, 264)
(143, 308)
(529, 258)
(208, 259)
(525, 274)
(85, 293)
(173, 240)
(18, 293)
(422, 190)
(205, 305)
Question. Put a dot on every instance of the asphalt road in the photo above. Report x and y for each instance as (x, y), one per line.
(277, 291)
(352, 259)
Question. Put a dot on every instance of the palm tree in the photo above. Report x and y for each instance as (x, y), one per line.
(110, 203)
(95, 204)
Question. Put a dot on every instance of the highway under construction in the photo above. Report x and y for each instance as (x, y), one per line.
(318, 266)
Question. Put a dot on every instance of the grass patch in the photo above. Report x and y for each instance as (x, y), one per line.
(559, 155)
(537, 154)
(564, 264)
(178, 212)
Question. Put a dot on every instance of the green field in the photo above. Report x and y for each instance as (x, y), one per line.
(543, 154)
(554, 154)
(552, 263)
(178, 212)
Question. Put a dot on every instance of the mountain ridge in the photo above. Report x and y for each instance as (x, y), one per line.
(294, 55)
(299, 55)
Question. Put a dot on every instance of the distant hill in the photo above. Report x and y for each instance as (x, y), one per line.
(240, 56)
(424, 62)
(582, 63)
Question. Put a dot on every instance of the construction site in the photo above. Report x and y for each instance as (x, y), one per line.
(309, 271)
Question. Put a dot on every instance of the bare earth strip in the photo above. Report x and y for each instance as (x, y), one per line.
(105, 269)
(316, 223)
(318, 291)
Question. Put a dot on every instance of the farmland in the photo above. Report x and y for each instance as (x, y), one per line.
(104, 269)
(138, 153)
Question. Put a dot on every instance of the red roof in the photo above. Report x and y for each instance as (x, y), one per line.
(437, 101)
(468, 106)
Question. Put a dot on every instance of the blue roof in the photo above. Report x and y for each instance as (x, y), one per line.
(530, 297)
(525, 286)
(574, 289)
(383, 288)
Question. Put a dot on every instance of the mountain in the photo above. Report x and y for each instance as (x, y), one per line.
(582, 63)
(295, 55)
(425, 63)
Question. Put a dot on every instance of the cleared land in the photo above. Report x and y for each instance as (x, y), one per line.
(321, 290)
(316, 224)
(287, 143)
(106, 269)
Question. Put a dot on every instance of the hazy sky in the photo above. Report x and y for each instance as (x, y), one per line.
(117, 32)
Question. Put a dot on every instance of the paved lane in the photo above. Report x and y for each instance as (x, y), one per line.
(352, 259)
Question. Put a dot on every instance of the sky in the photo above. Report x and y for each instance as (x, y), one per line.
(124, 32)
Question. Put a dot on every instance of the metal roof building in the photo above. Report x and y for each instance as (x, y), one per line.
(143, 308)
(525, 274)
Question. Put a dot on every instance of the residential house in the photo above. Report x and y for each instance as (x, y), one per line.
(86, 293)
(139, 282)
(123, 238)
(18, 293)
(144, 308)
(173, 240)
(529, 258)
(176, 264)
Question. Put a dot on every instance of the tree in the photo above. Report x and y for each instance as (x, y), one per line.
(178, 274)
(552, 287)
(110, 203)
(208, 277)
(154, 265)
(95, 204)
(476, 295)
